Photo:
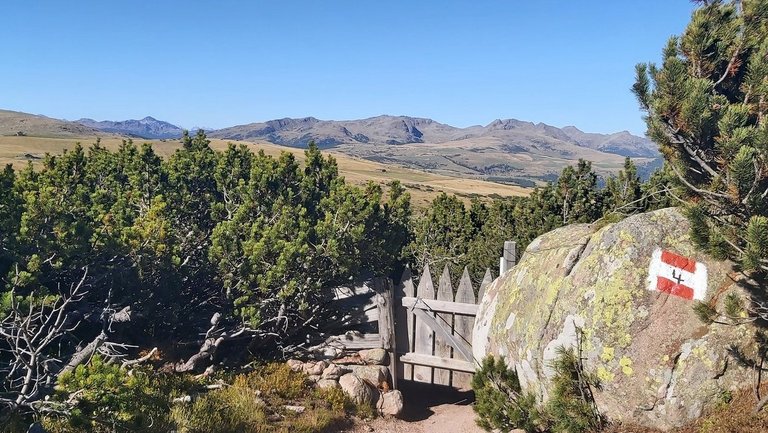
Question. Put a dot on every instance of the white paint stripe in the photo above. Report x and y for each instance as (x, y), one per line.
(696, 280)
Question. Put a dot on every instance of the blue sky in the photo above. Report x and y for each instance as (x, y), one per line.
(221, 63)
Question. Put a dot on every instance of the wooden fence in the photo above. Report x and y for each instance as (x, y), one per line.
(427, 332)
(433, 328)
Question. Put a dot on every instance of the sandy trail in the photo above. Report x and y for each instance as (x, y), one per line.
(427, 409)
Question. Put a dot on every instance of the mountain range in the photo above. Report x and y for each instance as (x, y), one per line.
(148, 127)
(509, 151)
(398, 130)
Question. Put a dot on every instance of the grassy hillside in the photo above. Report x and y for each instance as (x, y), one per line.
(422, 186)
(13, 123)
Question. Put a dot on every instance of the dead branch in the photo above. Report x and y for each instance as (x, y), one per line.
(29, 332)
(139, 360)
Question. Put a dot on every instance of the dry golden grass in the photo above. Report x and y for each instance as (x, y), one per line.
(423, 186)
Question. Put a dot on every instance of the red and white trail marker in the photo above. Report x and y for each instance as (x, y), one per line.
(677, 275)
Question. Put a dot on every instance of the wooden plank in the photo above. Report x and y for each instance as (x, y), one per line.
(510, 253)
(384, 299)
(366, 341)
(440, 306)
(434, 361)
(487, 279)
(462, 328)
(404, 323)
(424, 337)
(441, 331)
(443, 349)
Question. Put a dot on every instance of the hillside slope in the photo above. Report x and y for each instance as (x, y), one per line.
(14, 123)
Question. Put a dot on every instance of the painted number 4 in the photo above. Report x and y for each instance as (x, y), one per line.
(677, 275)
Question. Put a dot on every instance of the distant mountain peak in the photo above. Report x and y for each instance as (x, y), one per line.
(148, 127)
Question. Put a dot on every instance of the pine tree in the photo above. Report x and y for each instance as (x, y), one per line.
(577, 190)
(706, 107)
(623, 192)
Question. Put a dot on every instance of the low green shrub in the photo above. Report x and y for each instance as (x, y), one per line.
(571, 407)
(499, 401)
(108, 398)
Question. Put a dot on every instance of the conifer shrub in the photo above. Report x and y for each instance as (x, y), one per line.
(108, 398)
(500, 402)
(571, 407)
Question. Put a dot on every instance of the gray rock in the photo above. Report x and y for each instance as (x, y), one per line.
(295, 364)
(334, 371)
(357, 389)
(374, 356)
(373, 374)
(296, 409)
(314, 378)
(659, 365)
(314, 368)
(327, 384)
(390, 403)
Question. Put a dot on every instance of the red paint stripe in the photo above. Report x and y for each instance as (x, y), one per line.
(678, 261)
(668, 286)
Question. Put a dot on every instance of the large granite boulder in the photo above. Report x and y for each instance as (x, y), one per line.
(607, 287)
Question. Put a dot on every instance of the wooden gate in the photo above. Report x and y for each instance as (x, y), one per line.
(433, 328)
(427, 332)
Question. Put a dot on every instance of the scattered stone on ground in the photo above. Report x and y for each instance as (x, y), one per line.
(390, 403)
(357, 389)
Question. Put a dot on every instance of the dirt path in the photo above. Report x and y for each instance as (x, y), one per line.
(428, 409)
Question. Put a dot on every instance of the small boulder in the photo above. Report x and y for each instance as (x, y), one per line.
(314, 378)
(327, 384)
(373, 374)
(357, 389)
(334, 372)
(295, 364)
(374, 356)
(390, 403)
(296, 409)
(315, 368)
(330, 353)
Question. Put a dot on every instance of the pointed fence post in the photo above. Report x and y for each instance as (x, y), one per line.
(509, 257)
(463, 328)
(404, 324)
(487, 279)
(443, 349)
(424, 342)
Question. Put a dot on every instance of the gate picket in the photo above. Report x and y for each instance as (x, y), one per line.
(404, 323)
(442, 349)
(463, 327)
(424, 342)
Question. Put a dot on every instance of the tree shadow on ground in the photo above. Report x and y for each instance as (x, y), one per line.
(420, 398)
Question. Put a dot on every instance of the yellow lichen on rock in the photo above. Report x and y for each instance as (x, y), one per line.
(608, 354)
(604, 374)
(626, 365)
